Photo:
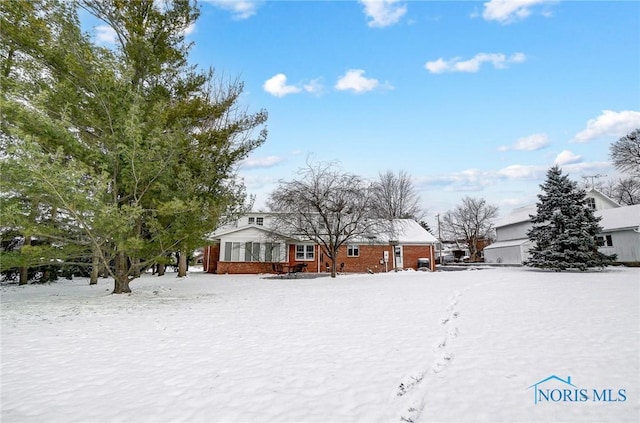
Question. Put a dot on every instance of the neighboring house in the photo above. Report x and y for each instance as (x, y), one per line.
(512, 244)
(619, 236)
(250, 245)
(621, 233)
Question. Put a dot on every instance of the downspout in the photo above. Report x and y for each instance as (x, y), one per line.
(207, 251)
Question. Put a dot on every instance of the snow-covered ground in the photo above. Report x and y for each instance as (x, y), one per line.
(460, 346)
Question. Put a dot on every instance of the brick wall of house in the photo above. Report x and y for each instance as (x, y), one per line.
(411, 254)
(371, 255)
(368, 260)
(211, 258)
(243, 267)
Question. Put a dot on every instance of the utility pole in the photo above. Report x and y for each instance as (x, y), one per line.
(592, 177)
(439, 239)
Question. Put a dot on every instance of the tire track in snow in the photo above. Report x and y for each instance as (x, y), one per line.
(413, 388)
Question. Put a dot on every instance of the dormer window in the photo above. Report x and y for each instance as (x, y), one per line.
(252, 220)
(591, 203)
(260, 221)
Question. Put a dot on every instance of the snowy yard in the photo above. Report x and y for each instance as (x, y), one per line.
(412, 346)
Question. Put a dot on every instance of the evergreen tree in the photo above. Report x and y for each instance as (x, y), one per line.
(564, 227)
(131, 147)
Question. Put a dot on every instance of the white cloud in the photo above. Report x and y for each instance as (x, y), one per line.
(456, 64)
(258, 182)
(531, 143)
(508, 11)
(241, 9)
(354, 80)
(520, 172)
(314, 86)
(260, 162)
(577, 170)
(477, 180)
(105, 35)
(277, 86)
(382, 13)
(566, 157)
(609, 124)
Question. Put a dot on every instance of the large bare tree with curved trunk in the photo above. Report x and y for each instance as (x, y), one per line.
(325, 205)
(471, 222)
(394, 197)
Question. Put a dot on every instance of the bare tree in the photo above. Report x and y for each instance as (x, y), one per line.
(325, 206)
(625, 153)
(624, 191)
(395, 197)
(471, 222)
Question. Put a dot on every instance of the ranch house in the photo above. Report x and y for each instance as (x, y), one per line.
(251, 246)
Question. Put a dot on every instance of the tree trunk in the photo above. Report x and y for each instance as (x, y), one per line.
(121, 285)
(161, 269)
(24, 271)
(95, 266)
(334, 264)
(182, 264)
(135, 263)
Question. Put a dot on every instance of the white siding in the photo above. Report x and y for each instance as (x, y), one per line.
(626, 244)
(515, 231)
(244, 236)
(511, 254)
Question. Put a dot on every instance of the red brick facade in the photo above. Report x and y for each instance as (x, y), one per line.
(369, 259)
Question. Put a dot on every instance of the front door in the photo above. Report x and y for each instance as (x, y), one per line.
(397, 253)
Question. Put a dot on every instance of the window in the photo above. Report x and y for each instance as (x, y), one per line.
(252, 220)
(227, 251)
(259, 221)
(591, 203)
(304, 252)
(604, 241)
(252, 251)
(353, 250)
(272, 252)
(235, 251)
(232, 251)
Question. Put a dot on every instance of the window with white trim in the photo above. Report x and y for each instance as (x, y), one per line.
(591, 203)
(305, 252)
(353, 250)
(252, 220)
(232, 251)
(260, 221)
(252, 251)
(604, 241)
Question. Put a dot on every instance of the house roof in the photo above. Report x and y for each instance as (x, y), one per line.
(405, 231)
(503, 244)
(616, 218)
(518, 215)
(627, 217)
(231, 229)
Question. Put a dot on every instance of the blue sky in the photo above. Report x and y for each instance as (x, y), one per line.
(469, 98)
